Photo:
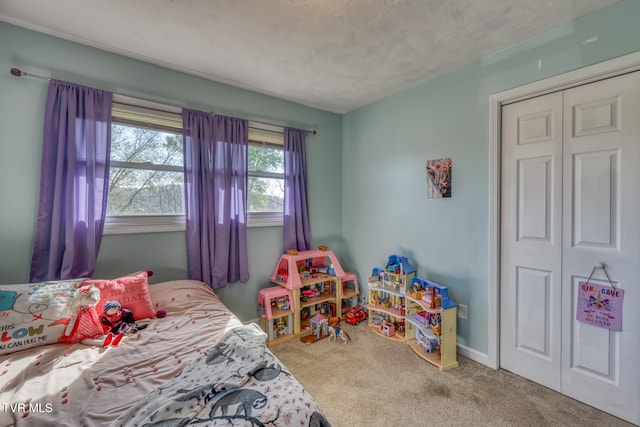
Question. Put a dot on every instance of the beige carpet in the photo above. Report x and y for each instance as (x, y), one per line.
(373, 381)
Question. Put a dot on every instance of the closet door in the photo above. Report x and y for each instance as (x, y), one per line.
(601, 223)
(531, 239)
(571, 201)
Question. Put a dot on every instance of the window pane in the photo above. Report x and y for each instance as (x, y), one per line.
(265, 194)
(137, 144)
(145, 192)
(266, 159)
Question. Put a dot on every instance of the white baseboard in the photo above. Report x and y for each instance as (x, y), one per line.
(256, 321)
(475, 355)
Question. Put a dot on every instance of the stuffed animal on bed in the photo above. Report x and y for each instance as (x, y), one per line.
(118, 320)
(84, 325)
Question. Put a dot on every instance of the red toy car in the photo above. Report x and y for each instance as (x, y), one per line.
(355, 315)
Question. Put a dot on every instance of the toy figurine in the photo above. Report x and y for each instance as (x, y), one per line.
(335, 332)
(119, 320)
(84, 324)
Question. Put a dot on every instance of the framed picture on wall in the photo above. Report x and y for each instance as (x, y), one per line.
(439, 178)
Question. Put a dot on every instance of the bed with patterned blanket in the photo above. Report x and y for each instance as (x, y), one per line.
(199, 365)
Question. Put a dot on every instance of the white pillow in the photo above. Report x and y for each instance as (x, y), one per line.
(34, 314)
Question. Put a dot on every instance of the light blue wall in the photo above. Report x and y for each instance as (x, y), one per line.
(376, 208)
(21, 117)
(386, 145)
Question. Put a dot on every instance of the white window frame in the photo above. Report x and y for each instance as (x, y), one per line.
(168, 117)
(271, 136)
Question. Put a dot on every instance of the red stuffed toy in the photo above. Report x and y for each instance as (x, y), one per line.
(84, 325)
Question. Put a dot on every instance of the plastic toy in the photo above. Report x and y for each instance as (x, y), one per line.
(421, 317)
(85, 325)
(318, 285)
(436, 329)
(387, 329)
(375, 300)
(321, 325)
(399, 265)
(376, 319)
(330, 270)
(292, 263)
(282, 303)
(335, 332)
(118, 320)
(440, 292)
(429, 344)
(275, 310)
(355, 315)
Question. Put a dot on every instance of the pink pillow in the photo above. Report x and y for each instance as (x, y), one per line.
(132, 292)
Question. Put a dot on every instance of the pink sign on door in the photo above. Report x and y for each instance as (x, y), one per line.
(600, 305)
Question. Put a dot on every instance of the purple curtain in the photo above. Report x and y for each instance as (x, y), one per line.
(296, 215)
(74, 182)
(216, 150)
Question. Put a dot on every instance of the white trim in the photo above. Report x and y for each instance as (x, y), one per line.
(265, 219)
(146, 166)
(494, 230)
(138, 224)
(135, 224)
(600, 71)
(474, 355)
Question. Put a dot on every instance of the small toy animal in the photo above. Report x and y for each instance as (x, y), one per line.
(335, 332)
(246, 399)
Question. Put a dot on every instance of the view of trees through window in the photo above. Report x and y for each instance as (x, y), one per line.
(266, 179)
(147, 178)
(146, 175)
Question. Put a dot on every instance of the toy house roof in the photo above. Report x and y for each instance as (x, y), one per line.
(318, 317)
(407, 268)
(289, 263)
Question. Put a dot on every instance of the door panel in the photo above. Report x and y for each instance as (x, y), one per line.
(601, 207)
(533, 285)
(531, 240)
(597, 116)
(534, 194)
(536, 127)
(595, 350)
(595, 188)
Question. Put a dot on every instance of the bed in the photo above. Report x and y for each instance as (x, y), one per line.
(198, 365)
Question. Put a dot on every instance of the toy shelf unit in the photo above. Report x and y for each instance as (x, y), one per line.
(276, 309)
(387, 295)
(386, 312)
(431, 323)
(317, 282)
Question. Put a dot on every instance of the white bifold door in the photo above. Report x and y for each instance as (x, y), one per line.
(570, 195)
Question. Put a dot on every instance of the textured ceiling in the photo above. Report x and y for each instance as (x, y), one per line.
(336, 55)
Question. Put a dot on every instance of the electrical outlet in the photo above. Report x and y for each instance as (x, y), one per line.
(462, 311)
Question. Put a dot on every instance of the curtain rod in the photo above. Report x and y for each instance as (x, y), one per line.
(19, 73)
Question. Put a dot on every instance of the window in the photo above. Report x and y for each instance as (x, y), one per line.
(146, 178)
(265, 201)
